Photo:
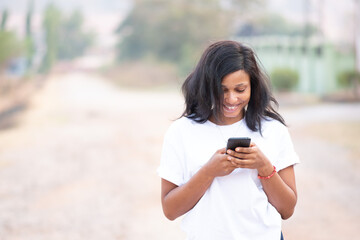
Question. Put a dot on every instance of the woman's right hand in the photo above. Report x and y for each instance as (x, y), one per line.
(219, 164)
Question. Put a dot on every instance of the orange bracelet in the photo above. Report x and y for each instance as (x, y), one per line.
(267, 177)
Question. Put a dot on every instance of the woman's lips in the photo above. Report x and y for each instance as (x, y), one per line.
(231, 108)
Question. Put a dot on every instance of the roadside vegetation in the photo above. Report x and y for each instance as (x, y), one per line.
(25, 61)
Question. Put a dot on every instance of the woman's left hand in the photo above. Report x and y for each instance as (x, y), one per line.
(250, 157)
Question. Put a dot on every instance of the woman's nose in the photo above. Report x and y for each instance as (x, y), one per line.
(231, 98)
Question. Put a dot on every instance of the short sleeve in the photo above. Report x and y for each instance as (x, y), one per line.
(172, 160)
(286, 156)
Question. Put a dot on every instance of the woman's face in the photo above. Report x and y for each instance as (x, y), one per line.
(237, 90)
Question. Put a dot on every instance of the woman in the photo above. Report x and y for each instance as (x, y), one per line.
(241, 194)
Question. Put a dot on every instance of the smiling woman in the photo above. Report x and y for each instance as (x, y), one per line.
(223, 62)
(228, 194)
(236, 87)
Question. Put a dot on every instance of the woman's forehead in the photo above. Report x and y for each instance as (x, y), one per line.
(236, 78)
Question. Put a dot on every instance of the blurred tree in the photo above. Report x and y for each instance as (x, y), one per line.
(52, 26)
(65, 38)
(73, 40)
(351, 80)
(4, 17)
(29, 41)
(284, 79)
(174, 31)
(10, 47)
(357, 34)
(272, 24)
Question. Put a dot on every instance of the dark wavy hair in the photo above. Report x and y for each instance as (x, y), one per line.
(203, 92)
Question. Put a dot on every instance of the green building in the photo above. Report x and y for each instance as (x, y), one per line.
(318, 64)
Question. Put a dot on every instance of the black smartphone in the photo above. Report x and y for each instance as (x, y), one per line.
(238, 142)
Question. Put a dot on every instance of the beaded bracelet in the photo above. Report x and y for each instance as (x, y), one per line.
(267, 177)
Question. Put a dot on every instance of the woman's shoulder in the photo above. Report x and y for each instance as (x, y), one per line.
(181, 124)
(272, 125)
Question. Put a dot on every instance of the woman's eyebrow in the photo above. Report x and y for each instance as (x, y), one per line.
(237, 85)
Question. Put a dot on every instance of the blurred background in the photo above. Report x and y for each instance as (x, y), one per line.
(88, 89)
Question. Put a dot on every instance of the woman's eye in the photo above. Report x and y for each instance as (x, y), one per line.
(240, 90)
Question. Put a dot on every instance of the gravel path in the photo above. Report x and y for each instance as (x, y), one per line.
(327, 179)
(81, 164)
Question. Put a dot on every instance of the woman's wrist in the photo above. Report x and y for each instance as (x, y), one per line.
(266, 170)
(207, 172)
(268, 176)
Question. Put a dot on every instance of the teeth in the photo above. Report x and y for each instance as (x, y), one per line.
(231, 108)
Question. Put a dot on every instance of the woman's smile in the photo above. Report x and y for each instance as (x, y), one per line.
(236, 88)
(231, 108)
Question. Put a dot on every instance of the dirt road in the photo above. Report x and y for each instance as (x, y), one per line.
(81, 164)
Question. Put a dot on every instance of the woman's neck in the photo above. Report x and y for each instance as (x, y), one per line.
(226, 121)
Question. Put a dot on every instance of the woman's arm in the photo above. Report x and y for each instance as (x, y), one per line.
(280, 188)
(178, 200)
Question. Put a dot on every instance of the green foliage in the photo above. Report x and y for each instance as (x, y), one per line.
(10, 47)
(65, 38)
(348, 78)
(52, 26)
(29, 16)
(73, 41)
(273, 24)
(351, 80)
(30, 49)
(284, 79)
(4, 17)
(29, 41)
(174, 31)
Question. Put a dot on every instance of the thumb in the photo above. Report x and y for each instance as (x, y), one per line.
(222, 151)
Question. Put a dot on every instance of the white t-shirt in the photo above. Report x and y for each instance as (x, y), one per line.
(234, 206)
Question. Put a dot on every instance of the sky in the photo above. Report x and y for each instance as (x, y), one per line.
(104, 16)
(335, 17)
(89, 6)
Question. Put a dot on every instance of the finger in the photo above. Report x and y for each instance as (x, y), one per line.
(237, 155)
(243, 149)
(222, 151)
(231, 155)
(242, 163)
(230, 164)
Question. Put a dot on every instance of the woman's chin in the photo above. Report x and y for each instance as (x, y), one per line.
(232, 114)
(232, 117)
